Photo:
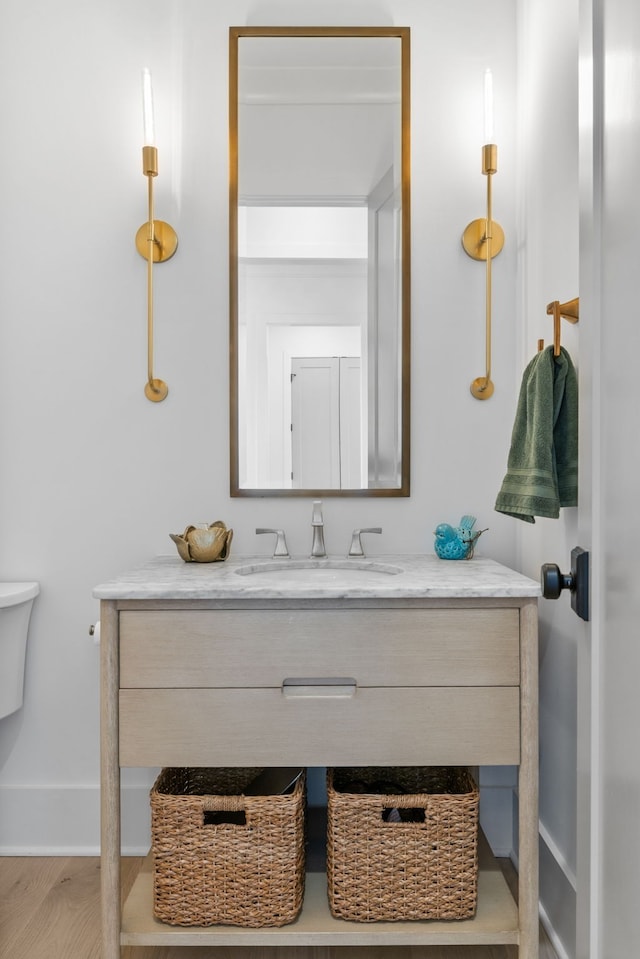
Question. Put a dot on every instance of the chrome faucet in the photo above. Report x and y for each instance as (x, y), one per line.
(356, 543)
(280, 548)
(317, 546)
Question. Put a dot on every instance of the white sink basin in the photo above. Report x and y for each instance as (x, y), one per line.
(322, 570)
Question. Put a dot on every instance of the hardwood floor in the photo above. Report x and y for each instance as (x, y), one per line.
(50, 909)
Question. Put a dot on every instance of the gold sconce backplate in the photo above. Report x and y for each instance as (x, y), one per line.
(156, 390)
(165, 241)
(474, 239)
(482, 388)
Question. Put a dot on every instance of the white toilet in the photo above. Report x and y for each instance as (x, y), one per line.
(16, 600)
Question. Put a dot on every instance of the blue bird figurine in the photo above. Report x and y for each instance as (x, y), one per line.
(457, 542)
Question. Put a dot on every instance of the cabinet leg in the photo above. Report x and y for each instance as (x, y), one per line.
(110, 783)
(528, 782)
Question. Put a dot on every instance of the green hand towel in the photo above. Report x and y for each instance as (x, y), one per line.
(542, 468)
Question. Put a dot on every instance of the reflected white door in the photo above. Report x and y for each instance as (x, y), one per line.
(315, 422)
(325, 422)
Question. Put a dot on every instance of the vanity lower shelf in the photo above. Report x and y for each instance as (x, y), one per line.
(496, 920)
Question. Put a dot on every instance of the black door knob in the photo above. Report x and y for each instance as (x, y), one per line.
(553, 581)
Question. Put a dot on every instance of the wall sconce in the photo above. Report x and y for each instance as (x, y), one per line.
(156, 241)
(483, 239)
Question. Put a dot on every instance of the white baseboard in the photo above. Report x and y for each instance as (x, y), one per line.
(45, 820)
(557, 899)
(38, 820)
(558, 855)
(554, 939)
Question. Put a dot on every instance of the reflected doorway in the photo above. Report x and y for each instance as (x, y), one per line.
(326, 422)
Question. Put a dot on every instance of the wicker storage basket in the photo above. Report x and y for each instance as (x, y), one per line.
(208, 872)
(383, 862)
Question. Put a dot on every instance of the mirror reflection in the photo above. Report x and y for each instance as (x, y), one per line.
(319, 228)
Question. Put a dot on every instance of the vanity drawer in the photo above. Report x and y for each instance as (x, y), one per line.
(393, 726)
(376, 647)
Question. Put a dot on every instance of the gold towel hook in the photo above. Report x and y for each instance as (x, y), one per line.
(561, 311)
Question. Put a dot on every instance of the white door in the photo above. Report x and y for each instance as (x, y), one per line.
(326, 429)
(609, 658)
(315, 422)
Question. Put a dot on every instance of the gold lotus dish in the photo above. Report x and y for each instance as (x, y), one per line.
(204, 544)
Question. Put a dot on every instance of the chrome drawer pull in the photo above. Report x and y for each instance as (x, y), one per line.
(321, 686)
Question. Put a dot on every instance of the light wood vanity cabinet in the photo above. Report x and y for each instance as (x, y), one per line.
(315, 682)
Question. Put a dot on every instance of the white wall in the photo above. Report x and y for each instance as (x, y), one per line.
(93, 476)
(548, 219)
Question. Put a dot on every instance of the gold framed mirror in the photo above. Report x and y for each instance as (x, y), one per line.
(319, 240)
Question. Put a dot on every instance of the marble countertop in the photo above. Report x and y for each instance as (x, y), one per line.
(406, 576)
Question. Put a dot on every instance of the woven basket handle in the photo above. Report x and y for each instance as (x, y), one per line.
(415, 801)
(418, 800)
(223, 803)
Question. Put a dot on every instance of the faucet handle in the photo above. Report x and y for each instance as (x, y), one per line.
(356, 543)
(281, 542)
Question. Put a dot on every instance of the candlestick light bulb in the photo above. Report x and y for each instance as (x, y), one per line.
(147, 109)
(488, 107)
